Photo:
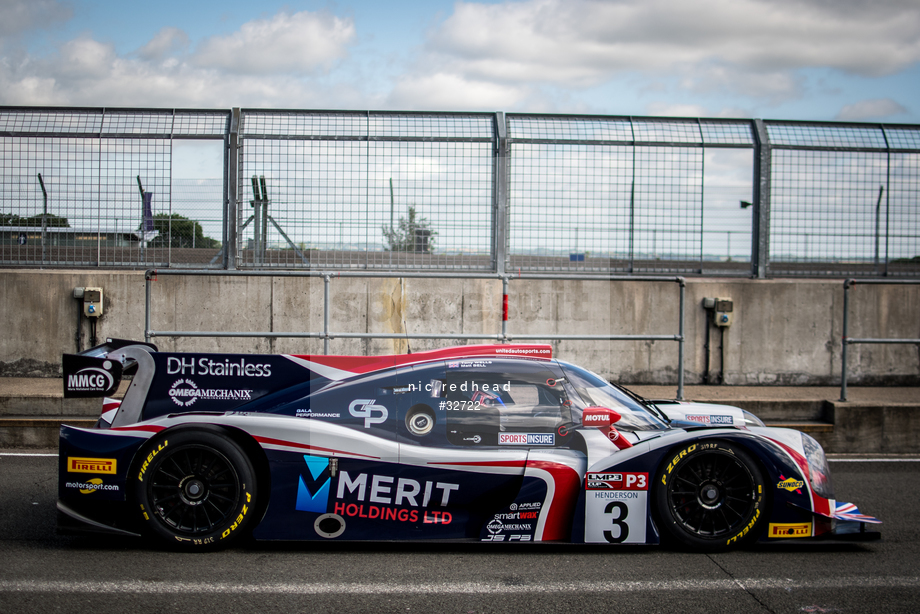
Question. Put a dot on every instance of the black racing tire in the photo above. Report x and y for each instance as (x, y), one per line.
(196, 490)
(711, 496)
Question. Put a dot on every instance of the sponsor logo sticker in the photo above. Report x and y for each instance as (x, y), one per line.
(527, 505)
(91, 379)
(313, 488)
(91, 465)
(707, 419)
(91, 485)
(184, 365)
(616, 481)
(790, 529)
(309, 413)
(185, 392)
(367, 409)
(790, 484)
(596, 420)
(527, 439)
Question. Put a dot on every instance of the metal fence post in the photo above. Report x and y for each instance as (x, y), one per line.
(847, 340)
(887, 203)
(500, 194)
(504, 309)
(681, 340)
(147, 306)
(231, 173)
(326, 279)
(760, 235)
(843, 352)
(41, 182)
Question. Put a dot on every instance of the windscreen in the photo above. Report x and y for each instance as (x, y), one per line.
(594, 391)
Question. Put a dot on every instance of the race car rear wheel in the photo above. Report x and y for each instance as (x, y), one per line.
(196, 490)
(711, 495)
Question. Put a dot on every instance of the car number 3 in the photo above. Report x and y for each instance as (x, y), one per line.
(618, 512)
(616, 516)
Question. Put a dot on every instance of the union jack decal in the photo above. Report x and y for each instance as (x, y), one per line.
(849, 511)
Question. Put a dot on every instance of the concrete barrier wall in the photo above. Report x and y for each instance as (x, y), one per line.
(784, 331)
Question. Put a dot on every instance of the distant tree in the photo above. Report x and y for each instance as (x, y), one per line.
(51, 220)
(178, 231)
(412, 234)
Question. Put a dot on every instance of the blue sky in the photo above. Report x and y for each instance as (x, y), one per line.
(855, 60)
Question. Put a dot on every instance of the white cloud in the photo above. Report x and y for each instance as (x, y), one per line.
(23, 15)
(241, 69)
(746, 46)
(30, 91)
(298, 44)
(772, 86)
(677, 110)
(668, 57)
(84, 58)
(166, 43)
(863, 110)
(444, 91)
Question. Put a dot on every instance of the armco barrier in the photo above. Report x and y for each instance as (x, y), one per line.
(504, 336)
(847, 340)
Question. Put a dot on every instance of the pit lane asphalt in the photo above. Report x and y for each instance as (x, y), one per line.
(43, 572)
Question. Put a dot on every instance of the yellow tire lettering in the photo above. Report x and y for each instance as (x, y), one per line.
(677, 458)
(239, 518)
(140, 475)
(749, 526)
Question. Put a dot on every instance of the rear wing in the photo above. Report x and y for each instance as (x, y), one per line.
(97, 372)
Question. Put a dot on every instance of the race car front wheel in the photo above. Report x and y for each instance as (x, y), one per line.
(711, 496)
(196, 489)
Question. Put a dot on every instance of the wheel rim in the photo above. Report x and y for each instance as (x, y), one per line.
(194, 490)
(711, 496)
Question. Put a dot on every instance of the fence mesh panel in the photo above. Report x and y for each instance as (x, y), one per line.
(823, 211)
(74, 184)
(422, 191)
(901, 211)
(91, 204)
(844, 200)
(601, 195)
(374, 191)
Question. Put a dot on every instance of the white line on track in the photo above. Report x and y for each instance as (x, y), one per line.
(444, 588)
(25, 454)
(873, 460)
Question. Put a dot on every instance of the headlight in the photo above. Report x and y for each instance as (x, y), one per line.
(819, 474)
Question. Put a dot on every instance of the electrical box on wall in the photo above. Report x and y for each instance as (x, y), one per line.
(92, 302)
(722, 312)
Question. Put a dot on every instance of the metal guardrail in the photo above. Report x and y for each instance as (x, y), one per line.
(847, 340)
(503, 337)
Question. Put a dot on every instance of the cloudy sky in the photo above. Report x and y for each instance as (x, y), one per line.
(854, 60)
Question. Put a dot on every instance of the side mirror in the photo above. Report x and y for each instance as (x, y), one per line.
(604, 418)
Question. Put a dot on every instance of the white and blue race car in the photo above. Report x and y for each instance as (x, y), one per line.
(498, 443)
